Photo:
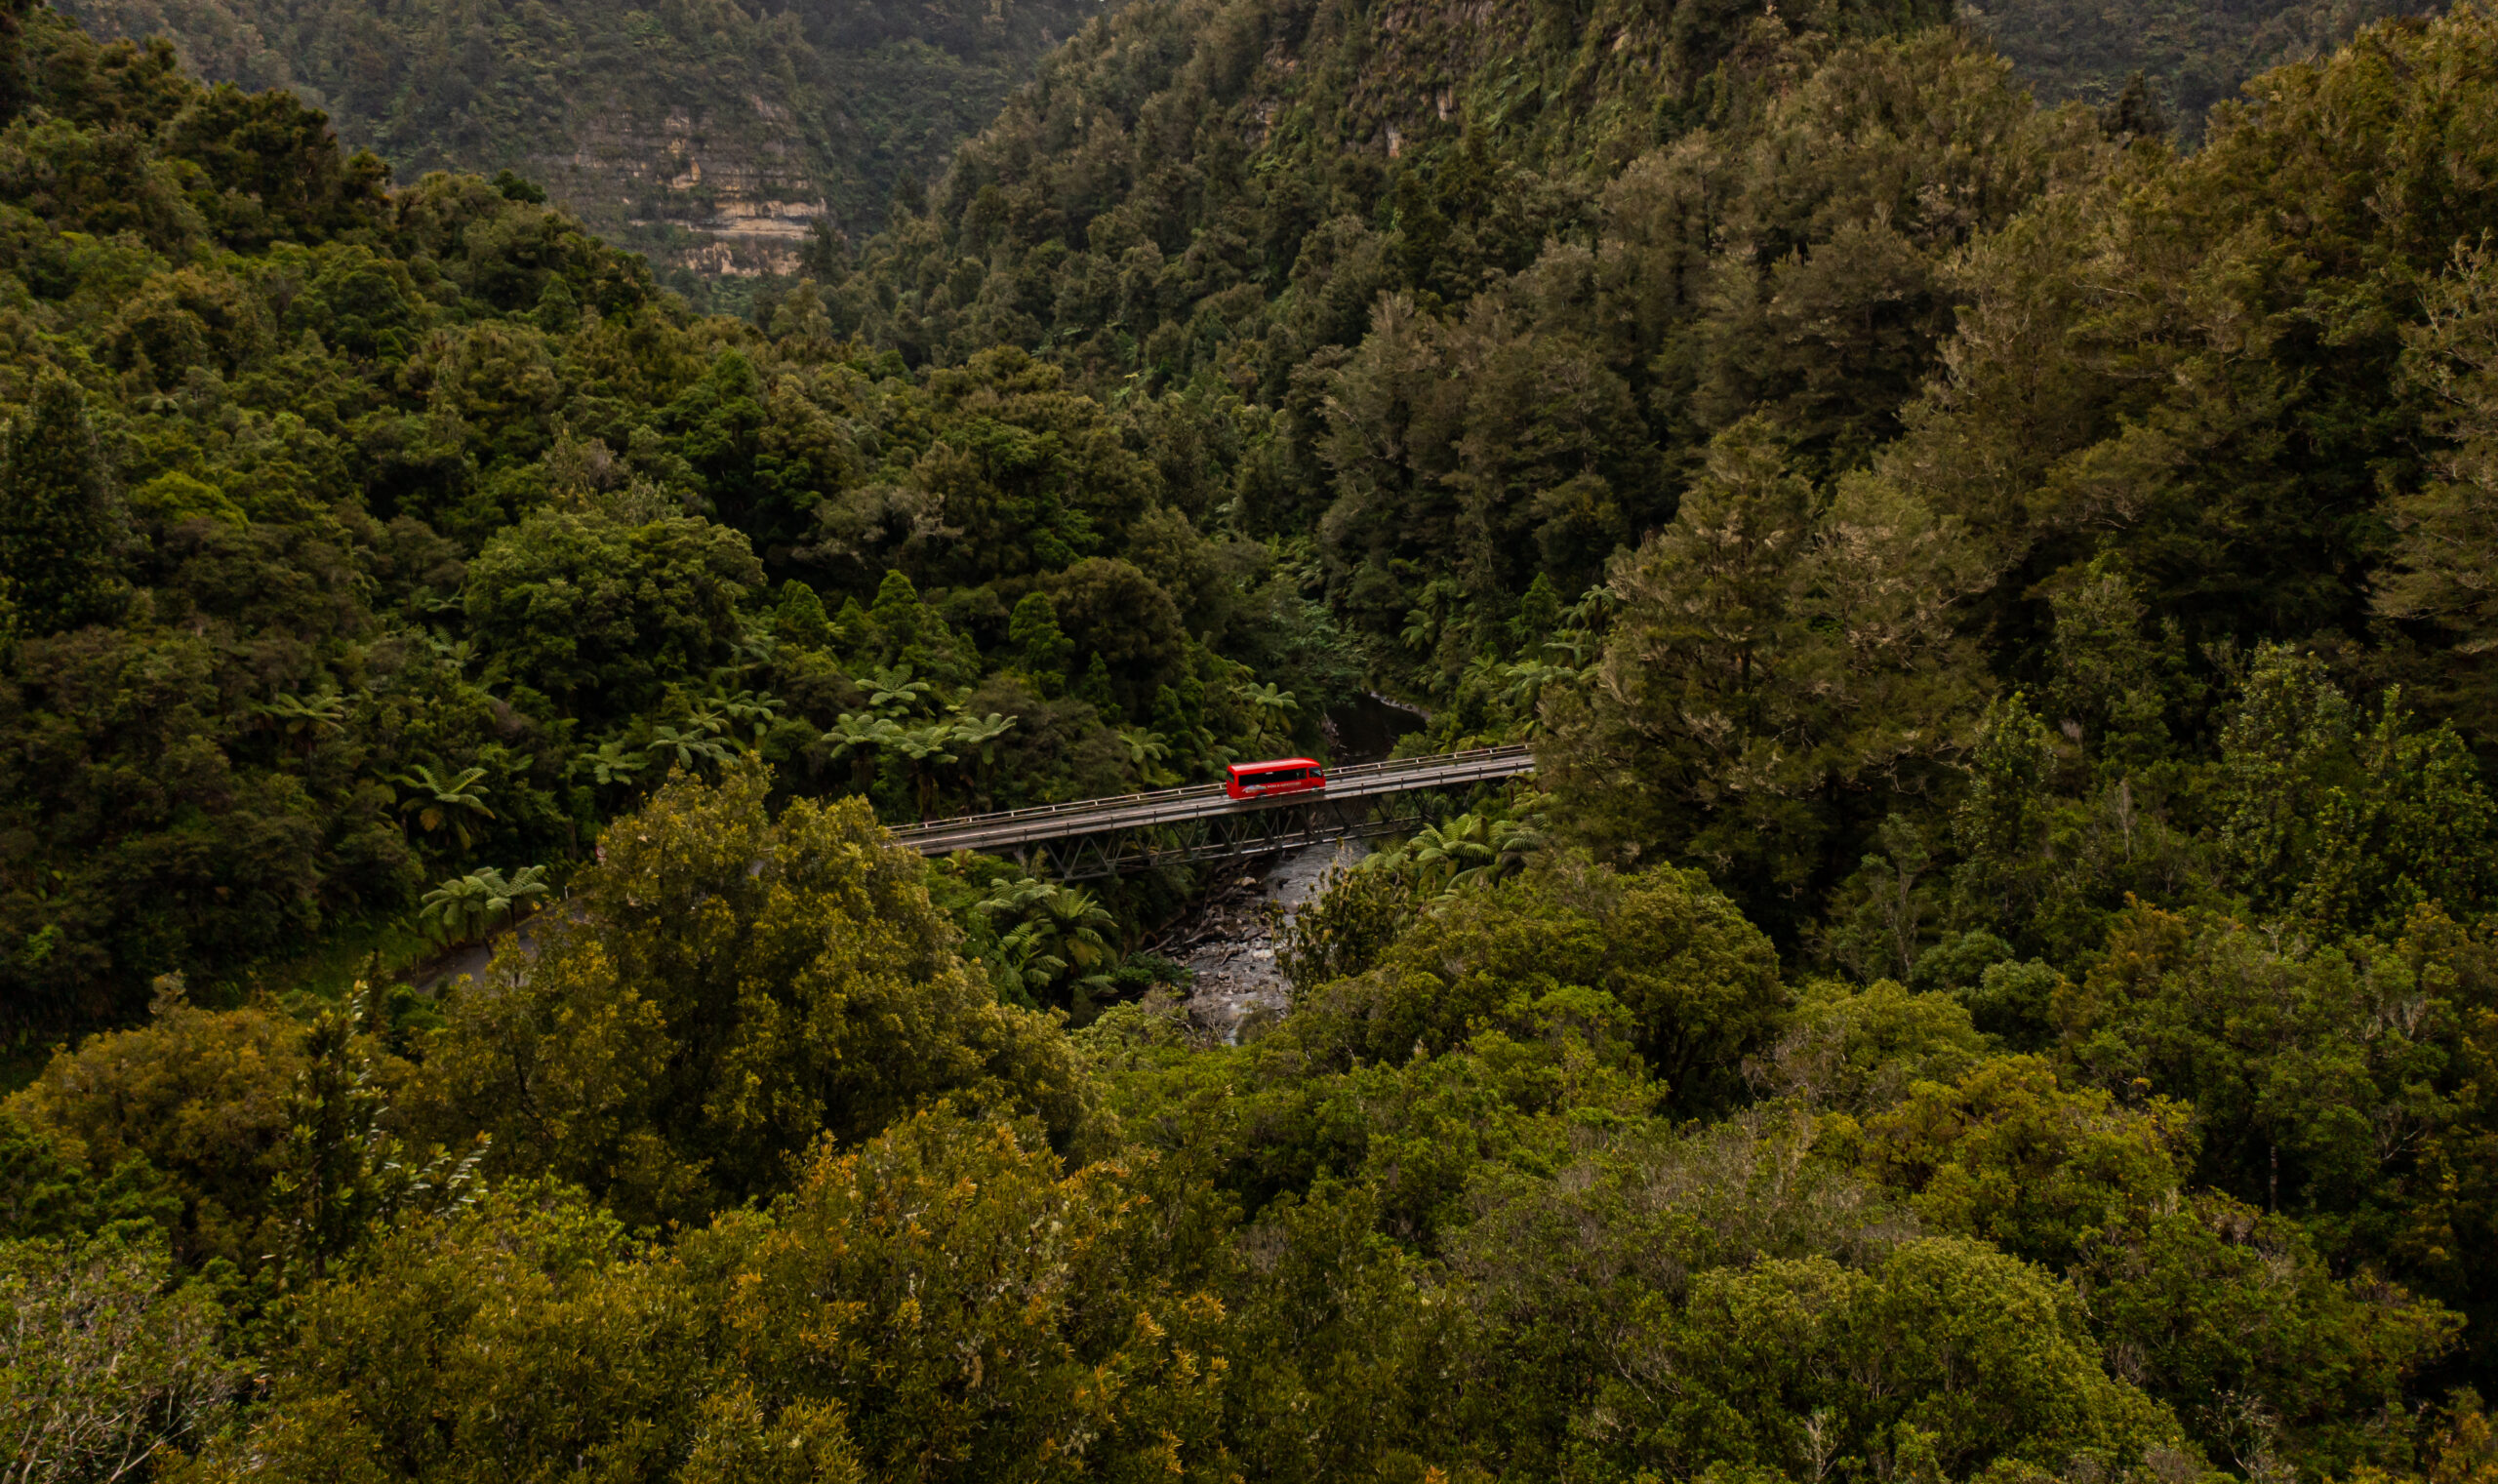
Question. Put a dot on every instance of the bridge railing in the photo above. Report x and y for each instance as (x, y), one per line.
(1126, 805)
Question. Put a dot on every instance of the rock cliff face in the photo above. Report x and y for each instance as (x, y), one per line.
(737, 190)
(718, 138)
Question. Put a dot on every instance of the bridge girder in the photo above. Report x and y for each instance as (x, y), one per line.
(1293, 824)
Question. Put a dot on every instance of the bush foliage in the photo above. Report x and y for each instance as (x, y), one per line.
(1998, 983)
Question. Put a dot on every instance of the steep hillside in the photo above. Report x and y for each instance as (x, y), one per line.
(720, 137)
(2190, 54)
(714, 135)
(1459, 293)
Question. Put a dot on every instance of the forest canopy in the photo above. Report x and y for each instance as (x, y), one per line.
(1994, 977)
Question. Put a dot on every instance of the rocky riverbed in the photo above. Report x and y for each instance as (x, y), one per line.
(1230, 946)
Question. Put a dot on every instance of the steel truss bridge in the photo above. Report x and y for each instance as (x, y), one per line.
(1174, 826)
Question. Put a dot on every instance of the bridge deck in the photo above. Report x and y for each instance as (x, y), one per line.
(1203, 801)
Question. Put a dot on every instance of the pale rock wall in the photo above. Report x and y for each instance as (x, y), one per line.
(738, 182)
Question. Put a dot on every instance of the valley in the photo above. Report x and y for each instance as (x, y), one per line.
(1991, 979)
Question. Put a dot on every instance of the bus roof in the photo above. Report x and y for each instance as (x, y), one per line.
(1272, 763)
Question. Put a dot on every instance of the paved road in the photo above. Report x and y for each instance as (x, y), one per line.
(1172, 805)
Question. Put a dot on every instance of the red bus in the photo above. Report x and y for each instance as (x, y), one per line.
(1282, 775)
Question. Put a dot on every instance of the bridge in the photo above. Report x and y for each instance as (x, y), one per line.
(1174, 826)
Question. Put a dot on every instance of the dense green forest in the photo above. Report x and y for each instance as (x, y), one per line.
(1995, 976)
(362, 543)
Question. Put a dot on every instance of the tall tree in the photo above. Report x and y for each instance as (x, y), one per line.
(13, 57)
(58, 521)
(1779, 655)
(727, 988)
(2445, 561)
